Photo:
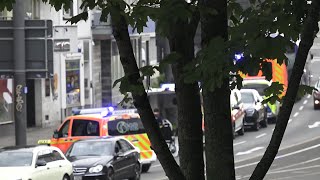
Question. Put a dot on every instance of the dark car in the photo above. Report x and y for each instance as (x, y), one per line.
(256, 115)
(316, 95)
(107, 158)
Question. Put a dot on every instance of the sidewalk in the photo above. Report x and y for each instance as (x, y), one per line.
(33, 135)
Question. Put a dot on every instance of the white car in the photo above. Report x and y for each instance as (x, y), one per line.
(34, 163)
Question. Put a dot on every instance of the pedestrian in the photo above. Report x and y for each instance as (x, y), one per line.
(156, 113)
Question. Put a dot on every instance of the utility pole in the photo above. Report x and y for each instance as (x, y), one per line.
(19, 72)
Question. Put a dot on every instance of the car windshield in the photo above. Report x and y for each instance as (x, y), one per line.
(247, 97)
(259, 87)
(15, 159)
(92, 148)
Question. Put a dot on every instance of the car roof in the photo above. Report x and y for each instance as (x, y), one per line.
(255, 81)
(104, 138)
(27, 148)
(249, 90)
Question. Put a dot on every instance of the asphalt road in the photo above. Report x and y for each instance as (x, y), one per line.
(298, 157)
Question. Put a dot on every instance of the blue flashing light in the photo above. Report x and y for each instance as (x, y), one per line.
(105, 113)
(238, 56)
(111, 109)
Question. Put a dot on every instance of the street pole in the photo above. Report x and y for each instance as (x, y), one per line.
(19, 72)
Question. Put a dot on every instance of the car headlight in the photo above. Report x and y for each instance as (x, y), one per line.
(96, 169)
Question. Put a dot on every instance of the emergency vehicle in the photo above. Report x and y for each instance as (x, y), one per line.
(86, 123)
(259, 82)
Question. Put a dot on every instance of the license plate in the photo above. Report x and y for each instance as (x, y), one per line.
(77, 177)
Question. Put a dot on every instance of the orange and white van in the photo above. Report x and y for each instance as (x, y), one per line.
(88, 123)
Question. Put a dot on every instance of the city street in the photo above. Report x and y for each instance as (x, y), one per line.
(298, 157)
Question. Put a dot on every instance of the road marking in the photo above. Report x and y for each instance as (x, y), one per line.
(301, 107)
(249, 151)
(309, 96)
(238, 143)
(296, 114)
(290, 120)
(299, 151)
(305, 101)
(295, 169)
(290, 177)
(314, 125)
(261, 135)
(297, 164)
(282, 156)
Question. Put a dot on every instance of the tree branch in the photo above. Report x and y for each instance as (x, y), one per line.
(141, 102)
(193, 25)
(308, 34)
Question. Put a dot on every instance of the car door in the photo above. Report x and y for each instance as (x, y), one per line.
(60, 163)
(63, 141)
(119, 162)
(47, 171)
(130, 156)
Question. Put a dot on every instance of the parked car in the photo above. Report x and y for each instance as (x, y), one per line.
(34, 162)
(256, 114)
(105, 158)
(316, 95)
(237, 112)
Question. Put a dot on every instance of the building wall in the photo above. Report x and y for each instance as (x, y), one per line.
(106, 82)
(96, 73)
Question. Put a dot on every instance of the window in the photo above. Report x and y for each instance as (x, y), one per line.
(5, 15)
(125, 146)
(47, 88)
(64, 129)
(56, 156)
(67, 14)
(32, 8)
(121, 127)
(85, 128)
(247, 97)
(86, 55)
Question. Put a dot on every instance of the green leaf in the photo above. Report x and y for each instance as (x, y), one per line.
(147, 70)
(169, 59)
(276, 89)
(79, 17)
(304, 89)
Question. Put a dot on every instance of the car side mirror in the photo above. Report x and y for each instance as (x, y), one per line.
(41, 163)
(56, 134)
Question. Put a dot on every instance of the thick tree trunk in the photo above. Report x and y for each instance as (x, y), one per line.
(189, 105)
(308, 35)
(141, 102)
(217, 113)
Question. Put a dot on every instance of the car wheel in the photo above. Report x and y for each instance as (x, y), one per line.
(66, 177)
(256, 126)
(264, 122)
(233, 131)
(110, 174)
(241, 131)
(137, 172)
(146, 167)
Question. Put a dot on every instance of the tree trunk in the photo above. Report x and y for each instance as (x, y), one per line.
(217, 113)
(308, 34)
(189, 105)
(141, 102)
